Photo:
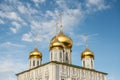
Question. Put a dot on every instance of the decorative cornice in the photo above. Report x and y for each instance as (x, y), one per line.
(71, 65)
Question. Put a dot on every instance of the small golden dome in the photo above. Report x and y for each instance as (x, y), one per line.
(87, 54)
(35, 54)
(55, 44)
(65, 40)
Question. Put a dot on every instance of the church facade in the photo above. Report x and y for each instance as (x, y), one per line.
(60, 66)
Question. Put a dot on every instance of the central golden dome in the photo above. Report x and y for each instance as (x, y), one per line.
(55, 44)
(35, 54)
(62, 38)
(87, 54)
(67, 41)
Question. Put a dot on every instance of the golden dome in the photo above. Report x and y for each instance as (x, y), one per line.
(35, 54)
(65, 40)
(87, 54)
(55, 44)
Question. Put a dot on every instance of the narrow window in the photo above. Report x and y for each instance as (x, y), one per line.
(73, 78)
(51, 55)
(30, 62)
(91, 63)
(46, 78)
(37, 62)
(66, 57)
(60, 55)
(83, 63)
(34, 63)
(40, 79)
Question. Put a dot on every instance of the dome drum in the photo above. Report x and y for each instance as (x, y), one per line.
(56, 48)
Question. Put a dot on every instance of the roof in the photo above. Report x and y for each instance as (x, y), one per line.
(71, 65)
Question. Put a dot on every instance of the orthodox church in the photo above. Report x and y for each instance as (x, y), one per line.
(60, 66)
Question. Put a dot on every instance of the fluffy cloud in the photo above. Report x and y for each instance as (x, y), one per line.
(80, 40)
(28, 10)
(27, 15)
(10, 15)
(9, 44)
(10, 64)
(1, 21)
(15, 28)
(10, 67)
(95, 5)
(37, 2)
(71, 17)
(46, 28)
(27, 37)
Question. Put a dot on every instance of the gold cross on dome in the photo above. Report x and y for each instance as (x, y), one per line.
(60, 21)
(86, 38)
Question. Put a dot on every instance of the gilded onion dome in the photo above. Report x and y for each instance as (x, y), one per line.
(55, 44)
(65, 40)
(87, 54)
(61, 38)
(35, 54)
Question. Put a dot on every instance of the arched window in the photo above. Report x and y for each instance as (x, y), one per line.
(91, 63)
(83, 63)
(40, 79)
(51, 55)
(30, 62)
(37, 62)
(60, 55)
(33, 62)
(66, 57)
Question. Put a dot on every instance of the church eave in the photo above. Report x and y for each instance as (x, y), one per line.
(71, 65)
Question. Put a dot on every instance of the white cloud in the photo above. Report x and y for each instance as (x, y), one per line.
(27, 9)
(46, 27)
(16, 27)
(71, 17)
(22, 9)
(95, 5)
(1, 21)
(13, 15)
(80, 40)
(27, 37)
(5, 7)
(13, 30)
(46, 21)
(10, 67)
(62, 3)
(37, 2)
(9, 44)
(10, 15)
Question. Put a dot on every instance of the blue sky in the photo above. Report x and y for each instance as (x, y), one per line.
(21, 20)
